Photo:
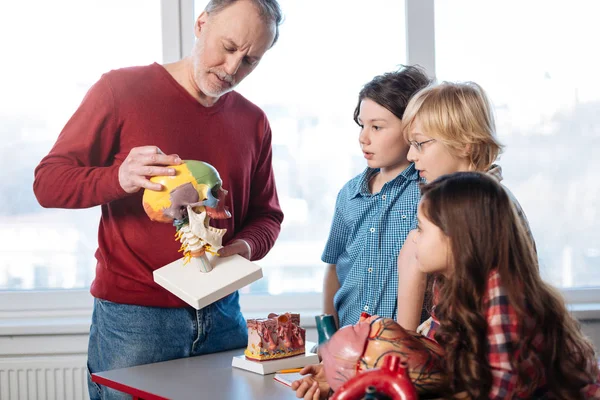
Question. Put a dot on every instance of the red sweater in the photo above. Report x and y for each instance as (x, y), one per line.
(142, 106)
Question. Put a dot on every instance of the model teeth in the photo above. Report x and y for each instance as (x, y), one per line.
(199, 227)
(217, 230)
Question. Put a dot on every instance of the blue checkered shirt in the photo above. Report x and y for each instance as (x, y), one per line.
(366, 235)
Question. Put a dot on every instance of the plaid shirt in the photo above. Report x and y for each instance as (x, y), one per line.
(503, 338)
(367, 232)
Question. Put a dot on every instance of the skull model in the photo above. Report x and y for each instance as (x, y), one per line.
(361, 347)
(189, 200)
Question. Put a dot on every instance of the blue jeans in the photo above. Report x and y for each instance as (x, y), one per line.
(123, 335)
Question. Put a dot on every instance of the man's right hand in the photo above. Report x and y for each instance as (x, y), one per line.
(314, 386)
(143, 162)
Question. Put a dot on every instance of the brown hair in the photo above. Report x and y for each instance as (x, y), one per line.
(393, 90)
(460, 116)
(485, 233)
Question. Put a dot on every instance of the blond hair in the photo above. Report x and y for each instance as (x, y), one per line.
(459, 115)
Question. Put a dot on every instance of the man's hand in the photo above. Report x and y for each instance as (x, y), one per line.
(313, 387)
(239, 246)
(143, 162)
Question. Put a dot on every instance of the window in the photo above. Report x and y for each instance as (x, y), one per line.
(536, 61)
(308, 85)
(58, 50)
(543, 82)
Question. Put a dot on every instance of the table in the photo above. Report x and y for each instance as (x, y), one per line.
(201, 377)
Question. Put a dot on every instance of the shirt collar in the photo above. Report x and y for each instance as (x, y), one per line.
(362, 185)
(495, 171)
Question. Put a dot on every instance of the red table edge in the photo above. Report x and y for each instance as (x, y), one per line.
(136, 393)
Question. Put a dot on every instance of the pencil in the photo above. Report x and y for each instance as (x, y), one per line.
(289, 371)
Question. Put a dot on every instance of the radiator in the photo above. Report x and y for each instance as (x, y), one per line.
(43, 378)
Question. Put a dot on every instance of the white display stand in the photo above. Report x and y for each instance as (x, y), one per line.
(200, 289)
(272, 366)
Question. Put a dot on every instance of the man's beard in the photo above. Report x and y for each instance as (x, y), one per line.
(202, 76)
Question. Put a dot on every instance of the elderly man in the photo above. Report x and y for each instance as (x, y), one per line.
(132, 124)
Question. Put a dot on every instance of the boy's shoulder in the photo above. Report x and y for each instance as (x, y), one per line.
(360, 183)
(353, 186)
(356, 182)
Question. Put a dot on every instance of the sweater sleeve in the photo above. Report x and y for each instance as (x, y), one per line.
(264, 219)
(79, 171)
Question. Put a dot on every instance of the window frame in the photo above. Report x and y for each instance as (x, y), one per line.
(69, 311)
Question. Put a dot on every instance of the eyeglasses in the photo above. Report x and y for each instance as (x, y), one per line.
(419, 145)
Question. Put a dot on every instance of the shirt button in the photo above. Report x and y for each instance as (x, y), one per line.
(370, 270)
(372, 230)
(383, 197)
(404, 217)
(366, 308)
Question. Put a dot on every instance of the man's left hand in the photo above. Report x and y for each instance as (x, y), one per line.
(239, 246)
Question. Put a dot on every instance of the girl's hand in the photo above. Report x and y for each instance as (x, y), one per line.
(412, 284)
(314, 386)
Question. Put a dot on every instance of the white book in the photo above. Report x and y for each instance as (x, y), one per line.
(200, 289)
(272, 366)
(288, 378)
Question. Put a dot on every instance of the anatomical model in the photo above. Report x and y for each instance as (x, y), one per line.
(189, 200)
(354, 349)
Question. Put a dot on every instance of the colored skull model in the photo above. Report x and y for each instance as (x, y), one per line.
(360, 347)
(189, 200)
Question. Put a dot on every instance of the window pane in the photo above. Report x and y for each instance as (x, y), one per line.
(536, 59)
(308, 85)
(57, 50)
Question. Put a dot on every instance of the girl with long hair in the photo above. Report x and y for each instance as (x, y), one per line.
(506, 333)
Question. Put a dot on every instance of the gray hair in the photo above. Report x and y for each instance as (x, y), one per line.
(267, 9)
